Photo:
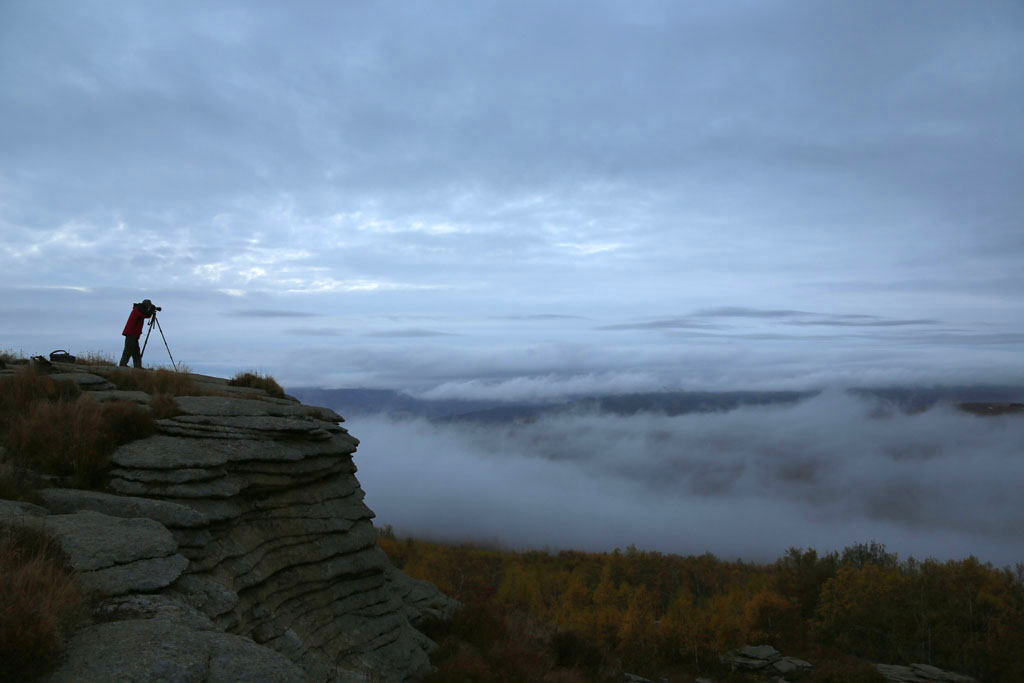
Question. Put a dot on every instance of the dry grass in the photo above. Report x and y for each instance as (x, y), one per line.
(11, 356)
(258, 380)
(95, 358)
(52, 428)
(16, 484)
(40, 602)
(154, 382)
(26, 386)
(163, 406)
(75, 438)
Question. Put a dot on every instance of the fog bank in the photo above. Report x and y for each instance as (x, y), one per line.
(824, 473)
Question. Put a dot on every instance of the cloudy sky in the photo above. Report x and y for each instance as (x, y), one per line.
(521, 199)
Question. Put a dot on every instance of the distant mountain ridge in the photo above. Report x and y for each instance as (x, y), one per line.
(361, 401)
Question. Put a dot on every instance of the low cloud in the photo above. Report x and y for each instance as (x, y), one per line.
(408, 333)
(270, 313)
(541, 316)
(315, 332)
(666, 324)
(742, 312)
(542, 388)
(698, 320)
(825, 473)
(864, 323)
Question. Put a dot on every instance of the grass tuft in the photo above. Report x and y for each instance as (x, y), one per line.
(11, 356)
(164, 406)
(95, 358)
(40, 602)
(52, 428)
(75, 439)
(258, 380)
(26, 386)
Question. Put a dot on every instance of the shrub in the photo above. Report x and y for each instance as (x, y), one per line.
(258, 380)
(40, 601)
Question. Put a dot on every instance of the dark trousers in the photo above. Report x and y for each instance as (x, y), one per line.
(131, 349)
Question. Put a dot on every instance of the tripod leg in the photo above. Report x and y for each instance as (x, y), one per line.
(159, 327)
(143, 352)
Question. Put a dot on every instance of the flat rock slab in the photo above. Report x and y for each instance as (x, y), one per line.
(152, 650)
(84, 380)
(167, 452)
(141, 576)
(238, 407)
(169, 514)
(259, 423)
(95, 541)
(214, 488)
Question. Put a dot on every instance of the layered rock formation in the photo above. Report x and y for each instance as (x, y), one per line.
(235, 545)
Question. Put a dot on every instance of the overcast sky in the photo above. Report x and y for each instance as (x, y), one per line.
(521, 199)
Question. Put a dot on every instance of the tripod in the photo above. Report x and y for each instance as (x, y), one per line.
(154, 321)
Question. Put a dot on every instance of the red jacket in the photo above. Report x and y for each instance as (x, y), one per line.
(133, 327)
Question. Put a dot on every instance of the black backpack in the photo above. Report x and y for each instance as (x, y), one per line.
(61, 356)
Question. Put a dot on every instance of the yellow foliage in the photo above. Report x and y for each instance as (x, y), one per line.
(652, 613)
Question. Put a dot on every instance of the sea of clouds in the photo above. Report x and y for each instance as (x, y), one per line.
(827, 472)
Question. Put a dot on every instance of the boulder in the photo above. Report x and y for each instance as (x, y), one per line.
(787, 665)
(763, 658)
(112, 555)
(15, 509)
(751, 657)
(158, 649)
(920, 673)
(96, 541)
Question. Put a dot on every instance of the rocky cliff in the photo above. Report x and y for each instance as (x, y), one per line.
(233, 545)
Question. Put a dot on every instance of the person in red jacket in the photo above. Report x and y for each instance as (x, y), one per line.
(133, 330)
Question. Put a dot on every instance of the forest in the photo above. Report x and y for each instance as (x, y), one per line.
(580, 616)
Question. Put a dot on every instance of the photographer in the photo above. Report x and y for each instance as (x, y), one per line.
(133, 330)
